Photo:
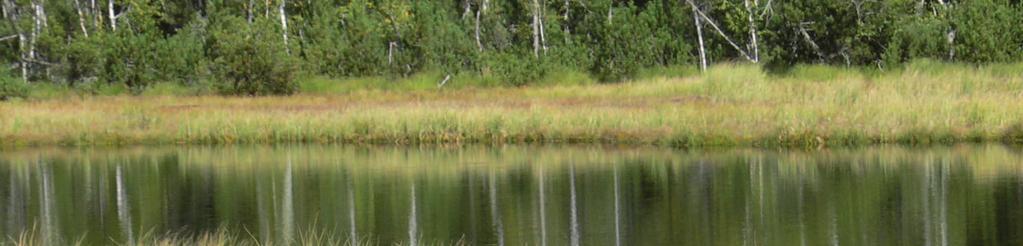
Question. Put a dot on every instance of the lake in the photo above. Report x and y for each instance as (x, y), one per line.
(518, 195)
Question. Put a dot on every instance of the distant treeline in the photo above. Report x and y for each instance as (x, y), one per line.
(257, 46)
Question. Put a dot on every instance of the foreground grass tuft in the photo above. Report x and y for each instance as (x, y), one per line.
(730, 105)
(220, 237)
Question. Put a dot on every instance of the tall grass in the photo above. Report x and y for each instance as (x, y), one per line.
(215, 238)
(729, 105)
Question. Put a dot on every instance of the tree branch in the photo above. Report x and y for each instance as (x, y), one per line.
(721, 33)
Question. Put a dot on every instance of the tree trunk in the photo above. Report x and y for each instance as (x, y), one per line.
(39, 24)
(95, 14)
(14, 17)
(809, 40)
(536, 30)
(720, 32)
(81, 18)
(752, 30)
(568, 32)
(543, 36)
(284, 25)
(250, 10)
(699, 35)
(950, 36)
(479, 14)
(110, 14)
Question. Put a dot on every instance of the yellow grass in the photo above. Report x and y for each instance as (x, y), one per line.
(728, 106)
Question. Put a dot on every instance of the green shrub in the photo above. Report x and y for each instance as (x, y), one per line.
(130, 59)
(513, 69)
(180, 58)
(11, 87)
(634, 41)
(987, 31)
(84, 59)
(251, 59)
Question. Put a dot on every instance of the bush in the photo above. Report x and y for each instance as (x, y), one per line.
(11, 87)
(986, 31)
(251, 59)
(130, 59)
(83, 59)
(180, 58)
(514, 69)
(634, 41)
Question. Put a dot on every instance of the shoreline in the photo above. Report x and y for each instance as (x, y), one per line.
(730, 106)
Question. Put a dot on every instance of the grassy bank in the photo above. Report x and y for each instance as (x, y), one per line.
(730, 105)
(216, 238)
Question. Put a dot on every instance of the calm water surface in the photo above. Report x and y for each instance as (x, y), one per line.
(523, 195)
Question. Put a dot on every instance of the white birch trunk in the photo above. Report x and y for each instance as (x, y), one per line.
(699, 35)
(536, 30)
(284, 25)
(95, 17)
(38, 24)
(81, 18)
(950, 36)
(110, 14)
(753, 30)
(720, 32)
(543, 36)
(806, 36)
(250, 9)
(14, 18)
(36, 29)
(479, 14)
(564, 17)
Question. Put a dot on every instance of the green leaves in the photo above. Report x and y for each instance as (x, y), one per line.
(250, 59)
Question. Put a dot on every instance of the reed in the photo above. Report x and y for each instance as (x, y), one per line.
(729, 105)
(214, 238)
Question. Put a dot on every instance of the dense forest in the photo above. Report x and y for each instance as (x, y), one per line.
(259, 46)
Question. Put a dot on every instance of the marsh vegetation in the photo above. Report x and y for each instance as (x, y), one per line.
(730, 105)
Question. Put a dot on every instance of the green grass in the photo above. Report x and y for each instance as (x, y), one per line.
(729, 105)
(220, 237)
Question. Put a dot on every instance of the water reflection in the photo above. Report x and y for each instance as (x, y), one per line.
(518, 195)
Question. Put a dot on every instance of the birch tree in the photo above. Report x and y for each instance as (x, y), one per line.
(110, 14)
(753, 44)
(479, 14)
(81, 17)
(718, 30)
(536, 25)
(13, 15)
(284, 25)
(699, 35)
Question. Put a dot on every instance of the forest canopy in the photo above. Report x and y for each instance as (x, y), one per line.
(256, 47)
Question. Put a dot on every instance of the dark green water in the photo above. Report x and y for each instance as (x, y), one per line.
(520, 195)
